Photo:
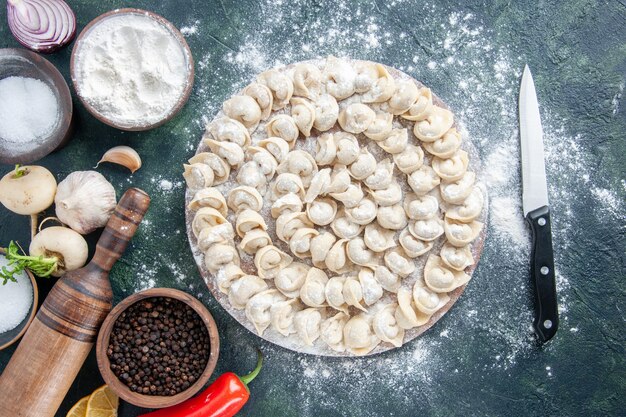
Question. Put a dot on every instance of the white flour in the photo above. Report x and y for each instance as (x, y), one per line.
(131, 69)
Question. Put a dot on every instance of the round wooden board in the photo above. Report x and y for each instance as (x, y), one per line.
(319, 348)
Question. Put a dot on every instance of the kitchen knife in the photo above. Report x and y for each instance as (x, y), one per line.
(537, 211)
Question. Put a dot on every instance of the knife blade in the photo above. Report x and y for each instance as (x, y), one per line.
(537, 211)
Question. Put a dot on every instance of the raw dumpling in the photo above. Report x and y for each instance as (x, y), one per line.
(406, 315)
(290, 279)
(334, 294)
(326, 112)
(300, 163)
(283, 126)
(353, 293)
(339, 78)
(243, 197)
(255, 240)
(287, 224)
(423, 180)
(386, 327)
(435, 125)
(227, 275)
(422, 107)
(396, 142)
(356, 118)
(428, 229)
(351, 196)
(209, 197)
(413, 246)
(300, 242)
(258, 308)
(206, 217)
(398, 262)
(278, 147)
(392, 217)
(280, 85)
(282, 314)
(363, 166)
(220, 255)
(456, 192)
(286, 183)
(198, 176)
(404, 97)
(312, 291)
(363, 213)
(225, 129)
(410, 159)
(231, 152)
(320, 245)
(326, 149)
(221, 169)
(387, 279)
(359, 254)
(307, 80)
(322, 211)
(372, 290)
(319, 185)
(440, 279)
(270, 260)
(332, 331)
(243, 109)
(303, 113)
(347, 148)
(453, 168)
(248, 220)
(388, 196)
(445, 146)
(266, 161)
(263, 97)
(337, 259)
(382, 176)
(339, 179)
(426, 301)
(243, 288)
(307, 324)
(289, 203)
(358, 335)
(380, 128)
(250, 174)
(470, 208)
(461, 234)
(378, 238)
(421, 207)
(383, 87)
(344, 227)
(456, 258)
(209, 236)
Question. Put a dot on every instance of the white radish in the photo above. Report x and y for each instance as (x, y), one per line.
(65, 245)
(28, 190)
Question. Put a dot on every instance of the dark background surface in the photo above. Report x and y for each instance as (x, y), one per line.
(480, 359)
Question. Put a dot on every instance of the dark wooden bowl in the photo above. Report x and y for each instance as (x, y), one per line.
(9, 337)
(155, 401)
(23, 63)
(186, 51)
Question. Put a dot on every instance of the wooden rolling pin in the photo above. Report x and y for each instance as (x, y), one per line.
(60, 337)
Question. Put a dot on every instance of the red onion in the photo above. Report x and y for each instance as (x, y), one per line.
(41, 25)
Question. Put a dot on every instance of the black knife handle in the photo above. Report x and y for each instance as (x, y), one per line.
(542, 274)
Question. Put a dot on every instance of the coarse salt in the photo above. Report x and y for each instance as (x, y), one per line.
(16, 298)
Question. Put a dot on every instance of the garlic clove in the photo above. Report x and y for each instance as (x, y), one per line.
(122, 155)
(84, 201)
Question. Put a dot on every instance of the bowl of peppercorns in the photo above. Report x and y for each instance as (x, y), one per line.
(157, 348)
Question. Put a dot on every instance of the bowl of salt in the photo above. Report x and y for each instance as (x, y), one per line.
(18, 304)
(35, 107)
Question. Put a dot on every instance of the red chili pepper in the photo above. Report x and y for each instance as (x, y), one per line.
(223, 398)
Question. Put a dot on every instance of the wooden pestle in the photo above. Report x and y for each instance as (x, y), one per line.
(64, 330)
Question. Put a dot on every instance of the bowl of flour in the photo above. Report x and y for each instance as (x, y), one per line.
(132, 69)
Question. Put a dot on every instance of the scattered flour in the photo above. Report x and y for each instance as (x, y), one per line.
(190, 30)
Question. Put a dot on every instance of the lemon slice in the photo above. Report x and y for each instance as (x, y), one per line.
(102, 403)
(79, 409)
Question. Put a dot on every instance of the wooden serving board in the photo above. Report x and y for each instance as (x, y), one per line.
(319, 348)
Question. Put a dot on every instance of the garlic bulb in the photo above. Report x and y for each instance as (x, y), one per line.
(84, 201)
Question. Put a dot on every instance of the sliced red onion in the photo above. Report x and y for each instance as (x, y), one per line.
(41, 25)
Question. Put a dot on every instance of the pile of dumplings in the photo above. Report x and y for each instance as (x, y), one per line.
(300, 145)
